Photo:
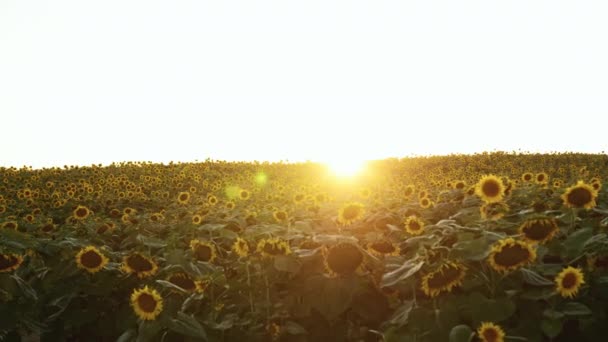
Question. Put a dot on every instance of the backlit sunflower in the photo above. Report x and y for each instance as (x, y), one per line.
(280, 215)
(580, 195)
(539, 230)
(569, 281)
(10, 262)
(383, 247)
(443, 279)
(490, 189)
(509, 254)
(183, 197)
(343, 259)
(414, 225)
(81, 212)
(203, 250)
(147, 303)
(182, 280)
(490, 332)
(273, 247)
(241, 247)
(91, 259)
(350, 212)
(139, 265)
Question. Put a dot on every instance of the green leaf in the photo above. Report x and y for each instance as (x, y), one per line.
(127, 336)
(151, 242)
(170, 285)
(535, 279)
(211, 227)
(148, 330)
(400, 317)
(551, 327)
(187, 325)
(474, 250)
(335, 297)
(553, 314)
(574, 244)
(493, 310)
(28, 291)
(294, 328)
(576, 309)
(407, 270)
(286, 263)
(461, 333)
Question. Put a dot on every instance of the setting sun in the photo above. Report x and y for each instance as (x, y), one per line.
(345, 167)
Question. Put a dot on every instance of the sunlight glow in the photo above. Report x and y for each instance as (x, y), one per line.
(346, 168)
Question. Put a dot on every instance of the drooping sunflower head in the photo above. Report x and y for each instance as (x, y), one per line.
(12, 225)
(580, 195)
(493, 211)
(414, 225)
(183, 197)
(138, 264)
(10, 262)
(272, 247)
(182, 280)
(510, 254)
(383, 247)
(203, 250)
(490, 332)
(241, 247)
(350, 212)
(490, 189)
(569, 281)
(147, 303)
(443, 279)
(91, 259)
(343, 259)
(81, 212)
(539, 230)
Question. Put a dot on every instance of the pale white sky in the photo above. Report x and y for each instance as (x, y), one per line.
(86, 82)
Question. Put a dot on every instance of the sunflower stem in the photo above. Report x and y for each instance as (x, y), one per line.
(267, 297)
(249, 288)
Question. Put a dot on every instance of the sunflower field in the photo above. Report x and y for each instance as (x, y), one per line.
(487, 247)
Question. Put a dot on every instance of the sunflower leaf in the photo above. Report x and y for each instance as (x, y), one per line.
(170, 285)
(187, 325)
(576, 309)
(461, 333)
(406, 270)
(534, 278)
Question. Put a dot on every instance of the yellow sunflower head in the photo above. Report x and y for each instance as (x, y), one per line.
(490, 332)
(183, 197)
(493, 211)
(12, 225)
(81, 212)
(569, 281)
(138, 264)
(183, 280)
(490, 189)
(425, 202)
(350, 212)
(241, 247)
(91, 259)
(147, 303)
(203, 250)
(280, 215)
(272, 247)
(443, 279)
(383, 247)
(539, 230)
(580, 195)
(414, 225)
(541, 178)
(527, 176)
(244, 194)
(10, 262)
(509, 254)
(343, 259)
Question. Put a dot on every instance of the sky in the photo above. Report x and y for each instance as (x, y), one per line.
(85, 82)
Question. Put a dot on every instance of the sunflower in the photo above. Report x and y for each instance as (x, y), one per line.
(147, 303)
(414, 225)
(490, 332)
(569, 281)
(81, 212)
(272, 247)
(203, 250)
(580, 195)
(541, 178)
(425, 202)
(443, 279)
(383, 247)
(241, 247)
(343, 259)
(459, 185)
(298, 198)
(12, 225)
(229, 205)
(182, 280)
(508, 255)
(350, 212)
(244, 194)
(408, 191)
(212, 200)
(493, 211)
(539, 230)
(183, 197)
(490, 188)
(91, 259)
(10, 262)
(197, 219)
(280, 215)
(527, 176)
(139, 264)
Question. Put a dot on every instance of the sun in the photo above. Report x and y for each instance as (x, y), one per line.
(345, 168)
